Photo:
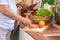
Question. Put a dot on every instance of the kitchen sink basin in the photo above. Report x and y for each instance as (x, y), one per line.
(57, 16)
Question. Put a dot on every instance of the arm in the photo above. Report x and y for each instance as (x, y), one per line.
(7, 12)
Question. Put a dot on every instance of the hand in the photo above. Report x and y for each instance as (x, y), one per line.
(22, 4)
(22, 25)
(25, 22)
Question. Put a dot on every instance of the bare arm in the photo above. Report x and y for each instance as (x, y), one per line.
(6, 11)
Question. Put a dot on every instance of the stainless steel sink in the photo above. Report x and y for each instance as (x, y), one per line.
(57, 16)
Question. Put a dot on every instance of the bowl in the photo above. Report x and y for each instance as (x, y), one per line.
(36, 19)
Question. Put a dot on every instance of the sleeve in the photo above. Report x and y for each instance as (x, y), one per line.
(3, 2)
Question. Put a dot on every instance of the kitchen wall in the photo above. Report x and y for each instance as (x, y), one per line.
(17, 1)
(58, 3)
(26, 1)
(39, 4)
(29, 2)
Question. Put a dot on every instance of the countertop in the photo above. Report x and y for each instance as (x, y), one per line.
(51, 33)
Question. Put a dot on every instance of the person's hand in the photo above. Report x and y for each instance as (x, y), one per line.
(23, 5)
(26, 6)
(25, 22)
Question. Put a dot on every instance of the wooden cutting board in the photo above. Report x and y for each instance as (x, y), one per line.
(36, 29)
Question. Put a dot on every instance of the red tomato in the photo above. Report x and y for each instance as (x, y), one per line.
(30, 26)
(35, 26)
(40, 26)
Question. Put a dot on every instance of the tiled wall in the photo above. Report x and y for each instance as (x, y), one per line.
(17, 1)
(26, 1)
(39, 4)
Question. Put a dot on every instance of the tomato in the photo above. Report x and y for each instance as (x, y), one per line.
(33, 26)
(40, 26)
(30, 26)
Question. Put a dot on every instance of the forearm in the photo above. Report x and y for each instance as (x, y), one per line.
(13, 15)
(7, 12)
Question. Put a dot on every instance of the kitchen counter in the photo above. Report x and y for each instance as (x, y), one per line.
(51, 33)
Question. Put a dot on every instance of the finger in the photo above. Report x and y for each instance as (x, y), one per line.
(22, 25)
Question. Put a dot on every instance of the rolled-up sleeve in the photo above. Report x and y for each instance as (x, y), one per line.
(3, 2)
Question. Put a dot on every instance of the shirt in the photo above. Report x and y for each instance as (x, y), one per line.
(6, 22)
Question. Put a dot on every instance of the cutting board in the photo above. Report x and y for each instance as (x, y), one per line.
(36, 29)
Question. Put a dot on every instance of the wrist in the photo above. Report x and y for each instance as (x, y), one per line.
(21, 19)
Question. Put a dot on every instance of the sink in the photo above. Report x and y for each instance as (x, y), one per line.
(57, 16)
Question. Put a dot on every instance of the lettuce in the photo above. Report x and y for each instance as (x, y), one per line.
(42, 12)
